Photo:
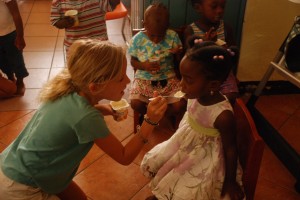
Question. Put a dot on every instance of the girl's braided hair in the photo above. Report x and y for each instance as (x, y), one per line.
(216, 61)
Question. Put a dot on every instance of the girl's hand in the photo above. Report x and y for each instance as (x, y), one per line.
(177, 50)
(234, 191)
(156, 108)
(151, 67)
(211, 35)
(65, 22)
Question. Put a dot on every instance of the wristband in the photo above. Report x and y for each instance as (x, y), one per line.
(146, 119)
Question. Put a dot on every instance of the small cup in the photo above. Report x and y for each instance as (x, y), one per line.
(74, 15)
(120, 108)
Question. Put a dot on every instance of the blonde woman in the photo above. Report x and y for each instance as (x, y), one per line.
(42, 161)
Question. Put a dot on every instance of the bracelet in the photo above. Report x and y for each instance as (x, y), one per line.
(146, 119)
(144, 140)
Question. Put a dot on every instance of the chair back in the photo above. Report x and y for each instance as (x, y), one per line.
(120, 11)
(250, 147)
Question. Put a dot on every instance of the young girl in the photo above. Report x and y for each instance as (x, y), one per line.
(154, 52)
(91, 16)
(200, 160)
(211, 27)
(42, 161)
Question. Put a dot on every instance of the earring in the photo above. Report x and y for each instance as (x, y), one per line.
(211, 93)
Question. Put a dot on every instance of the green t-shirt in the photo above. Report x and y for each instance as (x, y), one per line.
(48, 151)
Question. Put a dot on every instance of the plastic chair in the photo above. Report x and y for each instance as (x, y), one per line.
(119, 12)
(250, 147)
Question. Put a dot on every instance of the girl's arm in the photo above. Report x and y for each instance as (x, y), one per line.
(187, 33)
(147, 66)
(14, 10)
(126, 154)
(225, 123)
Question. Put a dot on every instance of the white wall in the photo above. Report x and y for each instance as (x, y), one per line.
(266, 24)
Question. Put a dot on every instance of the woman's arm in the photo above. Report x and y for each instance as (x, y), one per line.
(225, 123)
(126, 154)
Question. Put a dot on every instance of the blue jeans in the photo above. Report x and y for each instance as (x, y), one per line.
(11, 58)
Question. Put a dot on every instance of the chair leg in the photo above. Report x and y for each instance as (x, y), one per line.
(123, 28)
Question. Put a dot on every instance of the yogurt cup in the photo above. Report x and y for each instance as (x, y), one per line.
(74, 15)
(120, 108)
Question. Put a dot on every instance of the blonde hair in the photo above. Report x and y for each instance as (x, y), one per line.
(90, 61)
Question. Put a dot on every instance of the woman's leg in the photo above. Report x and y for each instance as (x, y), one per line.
(73, 191)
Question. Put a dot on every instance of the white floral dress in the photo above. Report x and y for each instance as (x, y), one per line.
(190, 165)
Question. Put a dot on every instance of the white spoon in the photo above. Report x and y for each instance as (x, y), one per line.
(177, 95)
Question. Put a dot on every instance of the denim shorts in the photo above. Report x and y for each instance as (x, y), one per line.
(11, 58)
(11, 190)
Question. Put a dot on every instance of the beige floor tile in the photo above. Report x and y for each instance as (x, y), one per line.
(25, 6)
(37, 78)
(59, 44)
(58, 59)
(34, 30)
(106, 179)
(94, 154)
(40, 44)
(41, 6)
(9, 132)
(9, 117)
(24, 17)
(61, 33)
(26, 102)
(39, 18)
(54, 72)
(38, 59)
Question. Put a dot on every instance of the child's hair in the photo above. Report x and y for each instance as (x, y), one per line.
(90, 61)
(156, 10)
(193, 2)
(216, 60)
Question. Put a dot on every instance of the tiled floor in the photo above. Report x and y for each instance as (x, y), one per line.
(99, 176)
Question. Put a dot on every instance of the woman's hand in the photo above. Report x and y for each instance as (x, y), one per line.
(156, 108)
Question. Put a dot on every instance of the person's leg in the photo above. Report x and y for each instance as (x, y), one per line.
(3, 60)
(73, 191)
(12, 190)
(15, 62)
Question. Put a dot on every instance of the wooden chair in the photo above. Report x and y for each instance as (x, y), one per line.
(250, 147)
(119, 12)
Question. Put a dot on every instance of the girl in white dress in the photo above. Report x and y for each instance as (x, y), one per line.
(199, 162)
